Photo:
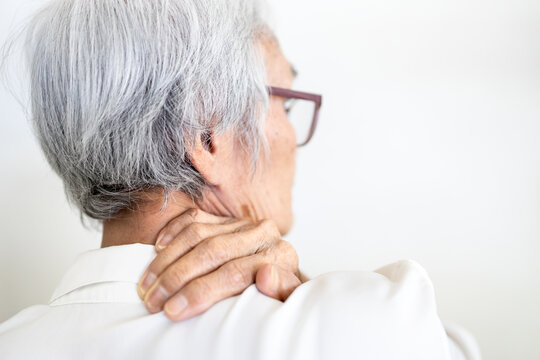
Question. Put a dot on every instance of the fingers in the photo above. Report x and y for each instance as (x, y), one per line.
(207, 256)
(179, 223)
(276, 282)
(283, 254)
(230, 279)
(185, 241)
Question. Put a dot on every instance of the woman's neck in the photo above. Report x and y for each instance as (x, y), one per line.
(143, 225)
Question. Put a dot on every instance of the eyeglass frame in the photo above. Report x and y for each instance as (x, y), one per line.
(293, 94)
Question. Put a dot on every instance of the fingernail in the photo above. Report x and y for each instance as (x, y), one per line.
(274, 278)
(158, 296)
(147, 280)
(163, 241)
(176, 305)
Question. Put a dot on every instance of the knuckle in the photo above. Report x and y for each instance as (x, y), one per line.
(173, 279)
(175, 226)
(196, 230)
(153, 268)
(285, 246)
(286, 251)
(193, 213)
(266, 224)
(198, 291)
(270, 227)
(161, 261)
(212, 250)
(236, 274)
(244, 226)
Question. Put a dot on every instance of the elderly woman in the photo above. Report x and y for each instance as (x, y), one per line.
(170, 122)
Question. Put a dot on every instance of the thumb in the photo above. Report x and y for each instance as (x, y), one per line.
(276, 282)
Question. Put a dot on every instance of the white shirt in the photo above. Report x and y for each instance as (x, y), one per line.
(95, 313)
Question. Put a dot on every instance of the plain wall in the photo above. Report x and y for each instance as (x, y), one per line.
(428, 147)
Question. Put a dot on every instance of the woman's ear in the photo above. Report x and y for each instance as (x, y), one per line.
(211, 156)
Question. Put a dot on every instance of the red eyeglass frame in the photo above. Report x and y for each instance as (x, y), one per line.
(293, 94)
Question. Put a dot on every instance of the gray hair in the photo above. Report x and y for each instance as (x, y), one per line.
(120, 90)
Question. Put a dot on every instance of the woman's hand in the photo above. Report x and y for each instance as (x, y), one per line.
(203, 259)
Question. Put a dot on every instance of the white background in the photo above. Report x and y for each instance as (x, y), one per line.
(428, 148)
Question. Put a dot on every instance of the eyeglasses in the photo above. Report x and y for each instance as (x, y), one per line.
(302, 109)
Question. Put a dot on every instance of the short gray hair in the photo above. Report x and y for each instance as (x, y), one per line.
(119, 90)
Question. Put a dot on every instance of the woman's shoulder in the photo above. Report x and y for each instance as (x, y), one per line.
(390, 312)
(399, 281)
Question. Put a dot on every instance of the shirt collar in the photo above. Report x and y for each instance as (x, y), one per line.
(124, 263)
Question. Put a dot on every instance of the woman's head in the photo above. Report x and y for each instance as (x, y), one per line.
(233, 189)
(133, 96)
